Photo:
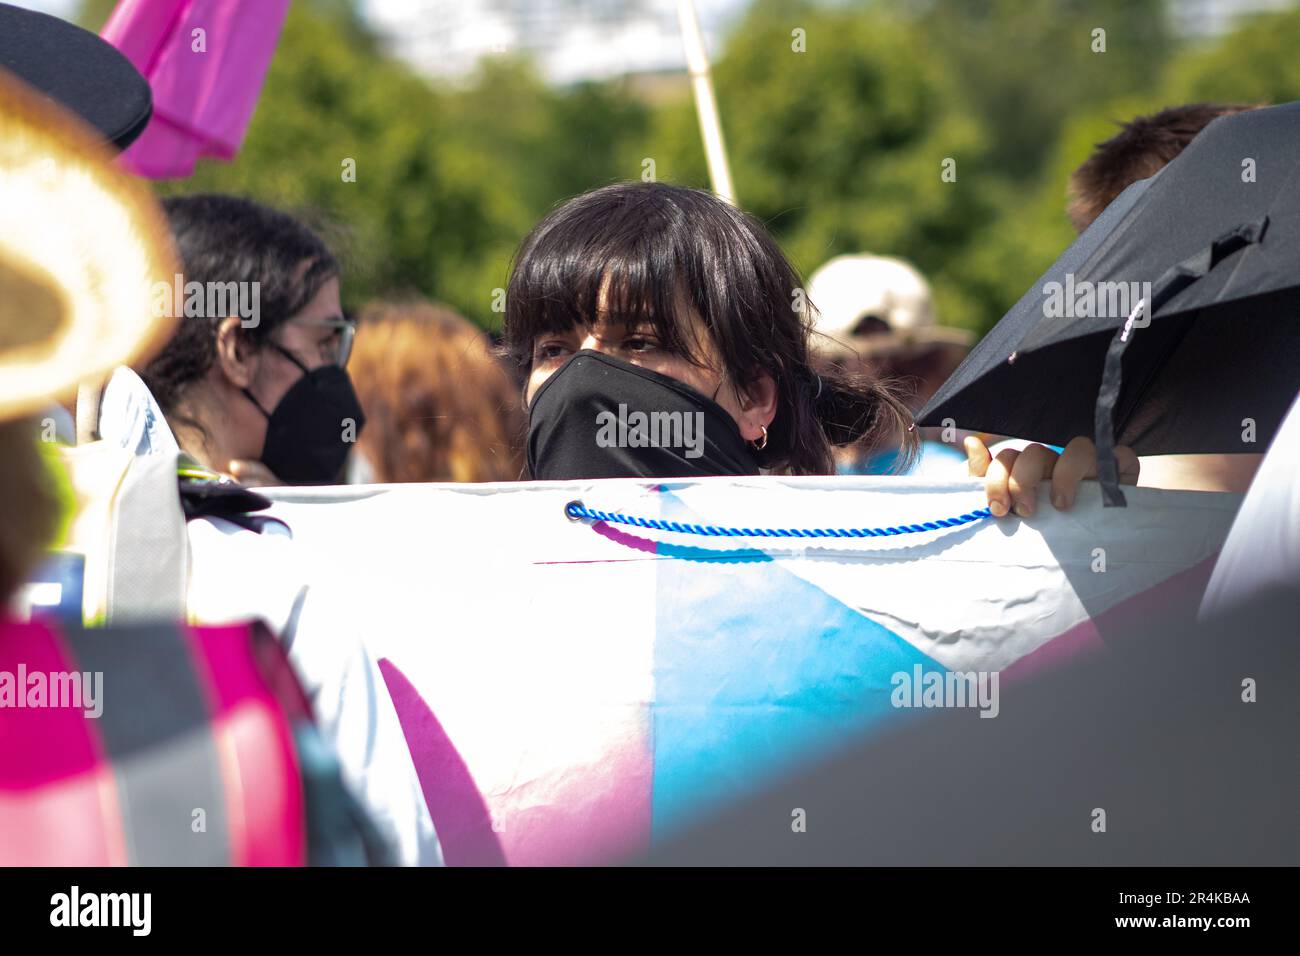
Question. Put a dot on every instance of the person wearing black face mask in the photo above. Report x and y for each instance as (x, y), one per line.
(600, 417)
(643, 307)
(311, 428)
(658, 334)
(261, 395)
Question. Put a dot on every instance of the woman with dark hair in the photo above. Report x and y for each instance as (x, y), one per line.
(253, 382)
(662, 333)
(666, 300)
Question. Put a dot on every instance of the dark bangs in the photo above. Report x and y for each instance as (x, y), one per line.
(664, 251)
(657, 250)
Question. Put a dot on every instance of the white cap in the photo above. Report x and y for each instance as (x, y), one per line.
(850, 288)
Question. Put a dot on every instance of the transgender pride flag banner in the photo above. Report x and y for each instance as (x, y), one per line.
(573, 691)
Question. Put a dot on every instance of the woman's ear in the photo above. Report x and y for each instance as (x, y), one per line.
(235, 355)
(757, 407)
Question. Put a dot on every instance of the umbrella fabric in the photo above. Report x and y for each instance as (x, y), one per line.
(74, 67)
(205, 86)
(1220, 358)
(975, 395)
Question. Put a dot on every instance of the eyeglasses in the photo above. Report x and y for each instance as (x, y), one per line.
(347, 330)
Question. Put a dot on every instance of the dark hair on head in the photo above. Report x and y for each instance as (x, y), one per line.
(658, 250)
(231, 239)
(1140, 149)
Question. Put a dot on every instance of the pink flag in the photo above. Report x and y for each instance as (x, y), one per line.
(205, 60)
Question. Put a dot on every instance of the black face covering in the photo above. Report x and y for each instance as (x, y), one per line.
(599, 417)
(307, 433)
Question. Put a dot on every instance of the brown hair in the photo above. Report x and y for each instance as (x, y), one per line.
(439, 405)
(31, 505)
(1141, 148)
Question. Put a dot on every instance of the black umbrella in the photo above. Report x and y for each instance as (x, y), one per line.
(78, 69)
(1171, 325)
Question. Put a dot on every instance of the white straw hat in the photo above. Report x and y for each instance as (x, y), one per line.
(82, 246)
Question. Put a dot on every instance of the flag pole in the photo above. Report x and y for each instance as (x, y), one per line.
(706, 106)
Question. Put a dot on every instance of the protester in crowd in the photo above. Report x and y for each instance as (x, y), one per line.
(660, 334)
(439, 405)
(261, 394)
(875, 316)
(253, 384)
(656, 298)
(1141, 148)
(125, 730)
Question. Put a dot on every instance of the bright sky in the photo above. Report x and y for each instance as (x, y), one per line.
(571, 39)
(60, 8)
(578, 39)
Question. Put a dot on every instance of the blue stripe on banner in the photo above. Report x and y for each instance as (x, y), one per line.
(757, 672)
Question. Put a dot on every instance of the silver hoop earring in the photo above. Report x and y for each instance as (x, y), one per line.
(755, 443)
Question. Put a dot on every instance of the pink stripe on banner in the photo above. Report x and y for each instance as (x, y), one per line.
(460, 815)
(585, 815)
(1166, 601)
(565, 814)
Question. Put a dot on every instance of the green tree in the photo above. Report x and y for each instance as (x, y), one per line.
(841, 147)
(1256, 63)
(332, 106)
(1027, 66)
(447, 179)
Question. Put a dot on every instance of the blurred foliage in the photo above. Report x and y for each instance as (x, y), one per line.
(1258, 63)
(868, 108)
(838, 148)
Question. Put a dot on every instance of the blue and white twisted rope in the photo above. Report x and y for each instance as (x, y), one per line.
(576, 511)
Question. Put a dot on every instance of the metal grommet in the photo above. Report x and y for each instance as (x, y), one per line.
(573, 510)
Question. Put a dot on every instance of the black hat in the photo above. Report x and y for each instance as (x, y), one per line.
(78, 69)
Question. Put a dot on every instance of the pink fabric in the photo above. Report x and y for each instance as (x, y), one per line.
(58, 801)
(39, 745)
(259, 766)
(203, 100)
(58, 796)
